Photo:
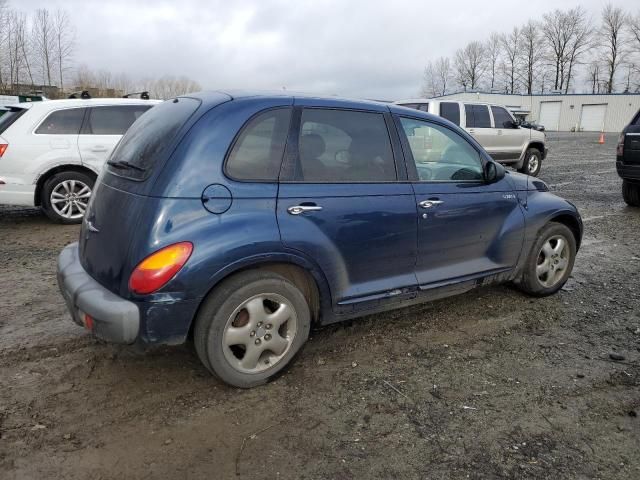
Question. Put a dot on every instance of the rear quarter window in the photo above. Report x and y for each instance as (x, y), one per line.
(8, 117)
(149, 138)
(62, 122)
(257, 153)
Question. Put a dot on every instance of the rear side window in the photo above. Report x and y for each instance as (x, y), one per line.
(114, 120)
(337, 146)
(62, 122)
(257, 153)
(149, 137)
(8, 117)
(450, 111)
(501, 118)
(477, 116)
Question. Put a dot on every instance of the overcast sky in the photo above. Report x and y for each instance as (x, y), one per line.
(372, 49)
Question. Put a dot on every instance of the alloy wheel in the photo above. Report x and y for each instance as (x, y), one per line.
(70, 198)
(553, 260)
(532, 163)
(259, 333)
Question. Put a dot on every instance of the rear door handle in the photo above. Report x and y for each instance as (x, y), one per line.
(430, 203)
(99, 149)
(298, 209)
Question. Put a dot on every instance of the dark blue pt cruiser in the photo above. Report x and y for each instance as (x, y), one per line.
(239, 219)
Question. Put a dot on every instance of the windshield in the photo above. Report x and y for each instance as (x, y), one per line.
(148, 138)
(8, 115)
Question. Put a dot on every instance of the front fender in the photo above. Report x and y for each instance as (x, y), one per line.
(542, 208)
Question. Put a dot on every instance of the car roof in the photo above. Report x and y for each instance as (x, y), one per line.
(214, 96)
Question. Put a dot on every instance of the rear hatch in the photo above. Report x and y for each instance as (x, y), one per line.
(122, 194)
(631, 140)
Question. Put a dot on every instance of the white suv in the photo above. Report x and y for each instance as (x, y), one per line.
(51, 152)
(494, 128)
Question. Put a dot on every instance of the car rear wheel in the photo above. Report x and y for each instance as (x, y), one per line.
(550, 261)
(631, 193)
(65, 196)
(532, 162)
(250, 327)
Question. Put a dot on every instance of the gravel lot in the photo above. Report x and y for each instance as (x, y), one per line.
(491, 384)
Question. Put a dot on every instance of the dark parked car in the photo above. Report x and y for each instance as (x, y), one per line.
(240, 219)
(628, 161)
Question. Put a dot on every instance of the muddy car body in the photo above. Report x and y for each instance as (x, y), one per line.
(271, 212)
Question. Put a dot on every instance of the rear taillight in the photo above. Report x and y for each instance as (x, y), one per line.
(3, 148)
(158, 268)
(620, 147)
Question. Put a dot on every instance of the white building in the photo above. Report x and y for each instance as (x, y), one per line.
(565, 113)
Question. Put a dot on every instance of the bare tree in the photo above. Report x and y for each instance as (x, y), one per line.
(558, 36)
(594, 76)
(84, 77)
(493, 47)
(3, 52)
(511, 50)
(168, 86)
(580, 40)
(613, 40)
(470, 65)
(43, 36)
(531, 48)
(64, 38)
(436, 78)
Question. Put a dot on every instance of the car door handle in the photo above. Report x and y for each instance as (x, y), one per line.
(298, 209)
(99, 149)
(499, 132)
(430, 203)
(472, 131)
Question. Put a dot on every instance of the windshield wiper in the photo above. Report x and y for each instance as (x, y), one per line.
(124, 164)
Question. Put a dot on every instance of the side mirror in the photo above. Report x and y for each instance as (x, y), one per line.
(493, 172)
(510, 124)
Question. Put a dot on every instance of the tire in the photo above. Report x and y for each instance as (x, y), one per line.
(57, 194)
(262, 292)
(631, 193)
(532, 162)
(534, 281)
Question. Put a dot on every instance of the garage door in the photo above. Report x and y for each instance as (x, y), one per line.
(592, 117)
(550, 115)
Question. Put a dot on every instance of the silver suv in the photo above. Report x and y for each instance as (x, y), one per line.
(494, 128)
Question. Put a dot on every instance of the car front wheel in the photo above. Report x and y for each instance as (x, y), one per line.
(250, 327)
(631, 193)
(550, 261)
(65, 196)
(532, 162)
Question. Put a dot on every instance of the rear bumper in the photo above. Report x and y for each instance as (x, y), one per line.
(113, 318)
(16, 194)
(628, 172)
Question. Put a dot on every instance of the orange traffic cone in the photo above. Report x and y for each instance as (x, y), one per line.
(601, 139)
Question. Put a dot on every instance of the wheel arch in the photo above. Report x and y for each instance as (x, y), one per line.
(572, 223)
(42, 179)
(303, 273)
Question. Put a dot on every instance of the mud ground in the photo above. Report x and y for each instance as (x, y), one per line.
(491, 384)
